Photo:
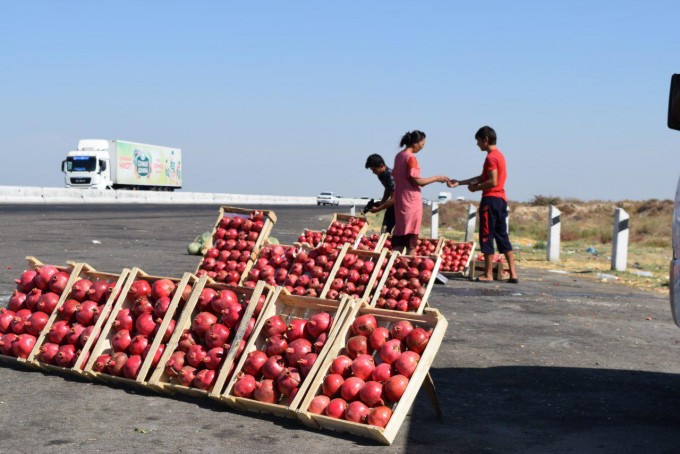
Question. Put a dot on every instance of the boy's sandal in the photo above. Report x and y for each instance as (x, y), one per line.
(513, 280)
(485, 281)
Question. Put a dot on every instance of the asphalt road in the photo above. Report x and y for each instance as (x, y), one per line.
(553, 364)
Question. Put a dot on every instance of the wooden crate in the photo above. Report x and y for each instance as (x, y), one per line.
(269, 221)
(288, 307)
(376, 257)
(104, 346)
(34, 264)
(378, 245)
(86, 272)
(428, 289)
(159, 379)
(465, 271)
(500, 270)
(344, 219)
(438, 244)
(305, 243)
(429, 319)
(251, 262)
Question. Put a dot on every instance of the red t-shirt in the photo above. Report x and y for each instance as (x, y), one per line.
(495, 161)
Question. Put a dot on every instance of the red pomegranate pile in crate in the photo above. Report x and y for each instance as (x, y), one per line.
(407, 283)
(271, 265)
(340, 232)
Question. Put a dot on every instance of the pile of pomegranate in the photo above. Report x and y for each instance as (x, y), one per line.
(496, 258)
(275, 373)
(352, 276)
(426, 246)
(234, 241)
(368, 378)
(203, 347)
(388, 244)
(36, 296)
(136, 326)
(311, 237)
(272, 265)
(75, 322)
(368, 242)
(310, 270)
(340, 233)
(406, 284)
(455, 256)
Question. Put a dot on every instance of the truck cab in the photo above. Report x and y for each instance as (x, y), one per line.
(89, 166)
(674, 276)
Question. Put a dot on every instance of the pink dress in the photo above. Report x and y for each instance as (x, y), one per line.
(408, 201)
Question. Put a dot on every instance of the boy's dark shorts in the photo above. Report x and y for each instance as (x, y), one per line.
(493, 213)
(408, 241)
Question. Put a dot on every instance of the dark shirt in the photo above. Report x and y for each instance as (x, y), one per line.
(387, 181)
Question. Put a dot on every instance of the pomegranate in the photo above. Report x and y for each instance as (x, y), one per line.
(47, 353)
(162, 288)
(306, 363)
(244, 386)
(357, 345)
(74, 334)
(341, 365)
(6, 342)
(288, 380)
(47, 302)
(357, 411)
(371, 394)
(351, 387)
(296, 329)
(132, 367)
(297, 349)
(26, 280)
(394, 387)
(320, 342)
(332, 384)
(216, 336)
(204, 379)
(68, 310)
(161, 306)
(139, 289)
(80, 289)
(120, 341)
(364, 325)
(85, 336)
(169, 330)
(417, 340)
(23, 345)
(138, 344)
(186, 340)
(401, 329)
(157, 356)
(319, 404)
(202, 323)
(59, 331)
(363, 366)
(336, 408)
(100, 363)
(390, 351)
(98, 290)
(141, 306)
(195, 355)
(275, 345)
(42, 278)
(232, 314)
(86, 312)
(66, 356)
(175, 364)
(58, 282)
(123, 320)
(186, 375)
(29, 301)
(36, 322)
(265, 391)
(406, 363)
(17, 300)
(378, 337)
(319, 323)
(213, 358)
(223, 299)
(379, 416)
(382, 372)
(145, 324)
(273, 367)
(254, 363)
(249, 328)
(207, 294)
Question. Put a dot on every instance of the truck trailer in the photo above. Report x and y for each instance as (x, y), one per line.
(119, 164)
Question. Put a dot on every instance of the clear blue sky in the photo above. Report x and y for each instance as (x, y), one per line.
(274, 97)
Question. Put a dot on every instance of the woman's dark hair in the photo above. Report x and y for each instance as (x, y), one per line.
(412, 138)
(375, 160)
(486, 132)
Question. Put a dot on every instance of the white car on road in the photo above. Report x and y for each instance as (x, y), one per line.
(328, 198)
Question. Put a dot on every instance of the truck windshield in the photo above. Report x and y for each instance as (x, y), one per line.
(81, 163)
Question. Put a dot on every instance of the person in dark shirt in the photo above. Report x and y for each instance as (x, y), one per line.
(376, 163)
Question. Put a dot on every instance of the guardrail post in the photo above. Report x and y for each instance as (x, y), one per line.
(471, 221)
(554, 227)
(434, 221)
(620, 240)
(352, 210)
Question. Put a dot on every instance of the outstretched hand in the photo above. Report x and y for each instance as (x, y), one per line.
(452, 183)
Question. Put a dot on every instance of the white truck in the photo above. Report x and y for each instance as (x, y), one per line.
(444, 197)
(674, 277)
(118, 164)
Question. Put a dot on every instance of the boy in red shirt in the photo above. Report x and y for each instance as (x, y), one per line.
(493, 209)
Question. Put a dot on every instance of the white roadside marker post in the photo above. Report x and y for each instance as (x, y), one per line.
(471, 221)
(554, 223)
(620, 240)
(434, 221)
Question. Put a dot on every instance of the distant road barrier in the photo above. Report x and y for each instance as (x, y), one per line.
(24, 194)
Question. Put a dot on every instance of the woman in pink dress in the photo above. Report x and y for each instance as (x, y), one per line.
(408, 201)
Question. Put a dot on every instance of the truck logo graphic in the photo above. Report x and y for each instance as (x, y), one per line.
(142, 162)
